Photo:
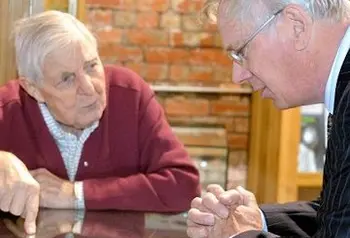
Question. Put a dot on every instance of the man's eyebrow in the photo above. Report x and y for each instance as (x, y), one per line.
(67, 74)
(229, 47)
(90, 61)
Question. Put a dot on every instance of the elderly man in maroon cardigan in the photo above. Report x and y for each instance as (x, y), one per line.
(77, 134)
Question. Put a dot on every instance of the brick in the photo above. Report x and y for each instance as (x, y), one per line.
(124, 19)
(179, 72)
(150, 72)
(191, 39)
(228, 108)
(210, 27)
(187, 6)
(209, 57)
(181, 106)
(115, 4)
(153, 5)
(99, 18)
(150, 37)
(137, 68)
(241, 124)
(218, 40)
(147, 20)
(237, 157)
(223, 74)
(238, 141)
(190, 22)
(200, 136)
(176, 38)
(209, 120)
(200, 73)
(167, 55)
(170, 20)
(120, 53)
(156, 72)
(237, 176)
(109, 35)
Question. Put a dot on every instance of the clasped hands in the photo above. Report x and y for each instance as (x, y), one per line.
(223, 214)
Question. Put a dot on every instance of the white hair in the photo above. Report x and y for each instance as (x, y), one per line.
(37, 36)
(255, 10)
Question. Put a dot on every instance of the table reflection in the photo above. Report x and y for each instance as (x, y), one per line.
(106, 224)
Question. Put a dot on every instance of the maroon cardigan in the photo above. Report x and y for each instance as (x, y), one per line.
(135, 161)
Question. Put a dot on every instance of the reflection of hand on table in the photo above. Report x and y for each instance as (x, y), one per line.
(50, 223)
(108, 224)
(113, 224)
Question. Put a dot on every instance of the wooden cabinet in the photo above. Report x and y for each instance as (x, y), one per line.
(9, 12)
(273, 156)
(75, 7)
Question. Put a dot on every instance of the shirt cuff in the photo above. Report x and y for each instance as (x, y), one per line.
(79, 220)
(263, 221)
(79, 195)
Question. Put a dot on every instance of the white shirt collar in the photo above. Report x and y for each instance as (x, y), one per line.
(333, 76)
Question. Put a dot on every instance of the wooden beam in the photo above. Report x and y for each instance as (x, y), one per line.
(10, 11)
(273, 151)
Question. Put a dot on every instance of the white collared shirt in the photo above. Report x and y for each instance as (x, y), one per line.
(333, 76)
(71, 148)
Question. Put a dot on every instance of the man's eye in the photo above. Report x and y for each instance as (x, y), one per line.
(92, 66)
(68, 78)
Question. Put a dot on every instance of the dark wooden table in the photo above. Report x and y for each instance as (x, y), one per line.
(107, 224)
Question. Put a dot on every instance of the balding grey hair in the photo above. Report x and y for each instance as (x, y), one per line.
(37, 36)
(257, 10)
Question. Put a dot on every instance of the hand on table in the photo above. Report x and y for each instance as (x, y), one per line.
(223, 213)
(54, 191)
(19, 191)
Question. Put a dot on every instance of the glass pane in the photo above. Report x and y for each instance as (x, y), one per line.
(312, 139)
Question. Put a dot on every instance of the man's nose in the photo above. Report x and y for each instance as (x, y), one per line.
(240, 74)
(86, 86)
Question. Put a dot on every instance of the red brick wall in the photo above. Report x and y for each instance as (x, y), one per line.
(163, 41)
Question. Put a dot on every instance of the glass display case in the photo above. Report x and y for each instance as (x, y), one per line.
(313, 139)
(212, 163)
(208, 147)
(312, 148)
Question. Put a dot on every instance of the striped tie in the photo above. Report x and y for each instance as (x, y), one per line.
(329, 124)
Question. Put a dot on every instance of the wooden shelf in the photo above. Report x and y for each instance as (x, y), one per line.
(309, 179)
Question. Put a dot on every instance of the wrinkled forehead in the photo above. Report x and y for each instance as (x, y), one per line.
(233, 30)
(70, 57)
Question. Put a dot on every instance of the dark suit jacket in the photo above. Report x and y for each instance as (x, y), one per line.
(329, 216)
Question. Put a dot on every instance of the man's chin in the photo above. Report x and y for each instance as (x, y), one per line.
(88, 122)
(281, 105)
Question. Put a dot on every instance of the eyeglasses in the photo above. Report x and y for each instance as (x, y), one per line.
(237, 55)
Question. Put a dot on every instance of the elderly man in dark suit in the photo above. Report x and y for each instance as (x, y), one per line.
(295, 53)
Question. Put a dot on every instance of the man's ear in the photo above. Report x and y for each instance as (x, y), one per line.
(31, 88)
(300, 23)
